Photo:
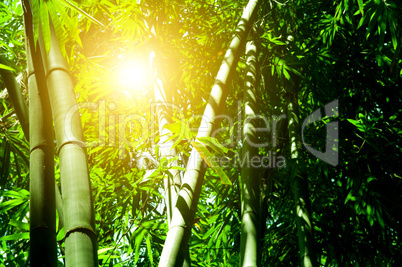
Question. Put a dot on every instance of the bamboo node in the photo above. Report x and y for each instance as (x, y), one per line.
(40, 146)
(57, 68)
(179, 226)
(75, 142)
(82, 229)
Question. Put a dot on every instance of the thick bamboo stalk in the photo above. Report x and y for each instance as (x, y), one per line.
(80, 241)
(41, 167)
(300, 191)
(16, 97)
(43, 251)
(183, 214)
(250, 180)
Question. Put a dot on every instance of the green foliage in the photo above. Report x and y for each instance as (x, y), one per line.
(317, 51)
(210, 160)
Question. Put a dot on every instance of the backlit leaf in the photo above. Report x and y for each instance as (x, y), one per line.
(210, 159)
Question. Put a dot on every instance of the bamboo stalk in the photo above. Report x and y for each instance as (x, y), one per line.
(80, 241)
(41, 167)
(43, 250)
(300, 191)
(163, 109)
(250, 176)
(174, 250)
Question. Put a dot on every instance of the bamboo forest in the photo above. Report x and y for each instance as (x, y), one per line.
(200, 133)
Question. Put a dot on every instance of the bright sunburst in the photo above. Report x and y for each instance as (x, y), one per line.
(133, 74)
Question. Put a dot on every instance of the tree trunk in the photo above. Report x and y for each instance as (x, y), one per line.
(183, 214)
(80, 241)
(300, 190)
(250, 180)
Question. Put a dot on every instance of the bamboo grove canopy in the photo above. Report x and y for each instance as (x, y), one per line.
(204, 133)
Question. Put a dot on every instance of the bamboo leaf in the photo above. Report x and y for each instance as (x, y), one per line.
(213, 143)
(20, 153)
(61, 234)
(65, 19)
(5, 206)
(149, 249)
(19, 224)
(281, 258)
(286, 73)
(5, 67)
(360, 3)
(180, 128)
(213, 219)
(15, 237)
(44, 18)
(393, 26)
(57, 26)
(18, 193)
(359, 125)
(209, 159)
(208, 233)
(372, 22)
(80, 11)
(36, 19)
(104, 250)
(138, 240)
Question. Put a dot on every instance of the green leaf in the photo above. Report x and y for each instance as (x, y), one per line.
(359, 125)
(360, 3)
(214, 144)
(281, 258)
(61, 234)
(208, 233)
(350, 197)
(19, 224)
(5, 67)
(382, 26)
(104, 250)
(5, 206)
(57, 26)
(213, 219)
(36, 13)
(149, 249)
(209, 159)
(285, 72)
(12, 237)
(372, 22)
(17, 193)
(393, 26)
(80, 11)
(18, 10)
(44, 18)
(181, 129)
(138, 240)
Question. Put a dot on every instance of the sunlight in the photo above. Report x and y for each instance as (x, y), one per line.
(133, 74)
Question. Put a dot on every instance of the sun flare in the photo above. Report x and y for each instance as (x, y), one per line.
(133, 74)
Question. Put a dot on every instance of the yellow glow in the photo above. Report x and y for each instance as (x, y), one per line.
(133, 74)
